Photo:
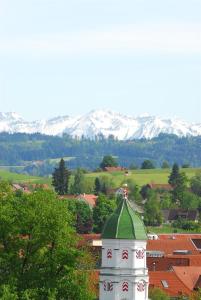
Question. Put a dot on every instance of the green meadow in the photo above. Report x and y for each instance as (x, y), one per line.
(142, 177)
(22, 178)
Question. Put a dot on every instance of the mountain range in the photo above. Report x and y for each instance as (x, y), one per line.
(100, 122)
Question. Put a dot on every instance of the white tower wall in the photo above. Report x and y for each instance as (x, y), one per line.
(123, 275)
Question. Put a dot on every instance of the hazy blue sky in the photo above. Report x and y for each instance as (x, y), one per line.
(61, 57)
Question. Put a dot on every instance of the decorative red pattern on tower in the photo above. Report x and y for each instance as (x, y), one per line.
(109, 253)
(125, 254)
(140, 254)
(125, 286)
(141, 286)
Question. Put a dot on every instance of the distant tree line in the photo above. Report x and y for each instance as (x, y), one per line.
(28, 150)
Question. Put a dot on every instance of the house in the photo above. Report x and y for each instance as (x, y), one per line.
(179, 281)
(114, 169)
(171, 215)
(160, 186)
(88, 198)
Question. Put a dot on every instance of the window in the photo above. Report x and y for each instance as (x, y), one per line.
(165, 284)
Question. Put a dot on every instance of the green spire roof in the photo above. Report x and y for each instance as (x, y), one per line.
(124, 223)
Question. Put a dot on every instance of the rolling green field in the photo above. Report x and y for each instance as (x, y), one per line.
(142, 177)
(21, 178)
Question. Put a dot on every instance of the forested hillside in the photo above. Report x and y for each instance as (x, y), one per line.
(42, 151)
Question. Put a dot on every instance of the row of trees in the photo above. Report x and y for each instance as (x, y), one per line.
(18, 149)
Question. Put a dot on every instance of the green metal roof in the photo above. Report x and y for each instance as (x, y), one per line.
(124, 223)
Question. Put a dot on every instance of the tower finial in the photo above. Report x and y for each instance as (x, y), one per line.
(125, 191)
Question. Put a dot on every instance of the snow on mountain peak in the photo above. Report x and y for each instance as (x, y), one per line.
(103, 122)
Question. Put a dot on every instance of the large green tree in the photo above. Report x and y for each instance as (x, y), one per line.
(195, 184)
(152, 210)
(174, 175)
(38, 254)
(83, 218)
(178, 181)
(78, 186)
(147, 164)
(103, 209)
(60, 178)
(108, 161)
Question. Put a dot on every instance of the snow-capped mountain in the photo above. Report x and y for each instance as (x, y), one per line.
(100, 122)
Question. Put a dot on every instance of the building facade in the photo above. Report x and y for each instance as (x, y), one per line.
(124, 275)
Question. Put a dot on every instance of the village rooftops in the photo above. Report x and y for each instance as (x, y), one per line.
(180, 281)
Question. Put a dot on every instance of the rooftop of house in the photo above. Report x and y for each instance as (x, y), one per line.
(113, 169)
(173, 246)
(180, 281)
(175, 214)
(88, 198)
(160, 186)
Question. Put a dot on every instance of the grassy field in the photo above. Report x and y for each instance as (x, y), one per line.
(142, 177)
(20, 178)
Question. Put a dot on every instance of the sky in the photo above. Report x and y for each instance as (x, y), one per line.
(68, 57)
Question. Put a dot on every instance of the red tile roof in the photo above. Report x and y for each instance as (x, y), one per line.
(89, 198)
(113, 169)
(175, 285)
(188, 275)
(168, 246)
(179, 236)
(160, 186)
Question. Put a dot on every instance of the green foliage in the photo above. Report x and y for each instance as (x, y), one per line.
(103, 184)
(83, 219)
(108, 161)
(8, 293)
(178, 181)
(60, 178)
(103, 209)
(78, 184)
(23, 150)
(190, 201)
(147, 164)
(38, 254)
(158, 294)
(196, 295)
(166, 201)
(97, 186)
(186, 225)
(174, 175)
(144, 191)
(165, 165)
(195, 184)
(152, 210)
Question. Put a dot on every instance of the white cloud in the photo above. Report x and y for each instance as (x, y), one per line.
(165, 39)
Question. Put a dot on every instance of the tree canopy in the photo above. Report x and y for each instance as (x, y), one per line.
(108, 161)
(147, 164)
(60, 178)
(39, 254)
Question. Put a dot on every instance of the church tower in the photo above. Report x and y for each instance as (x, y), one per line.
(124, 275)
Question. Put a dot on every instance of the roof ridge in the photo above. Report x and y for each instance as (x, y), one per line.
(128, 206)
(180, 278)
(117, 231)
